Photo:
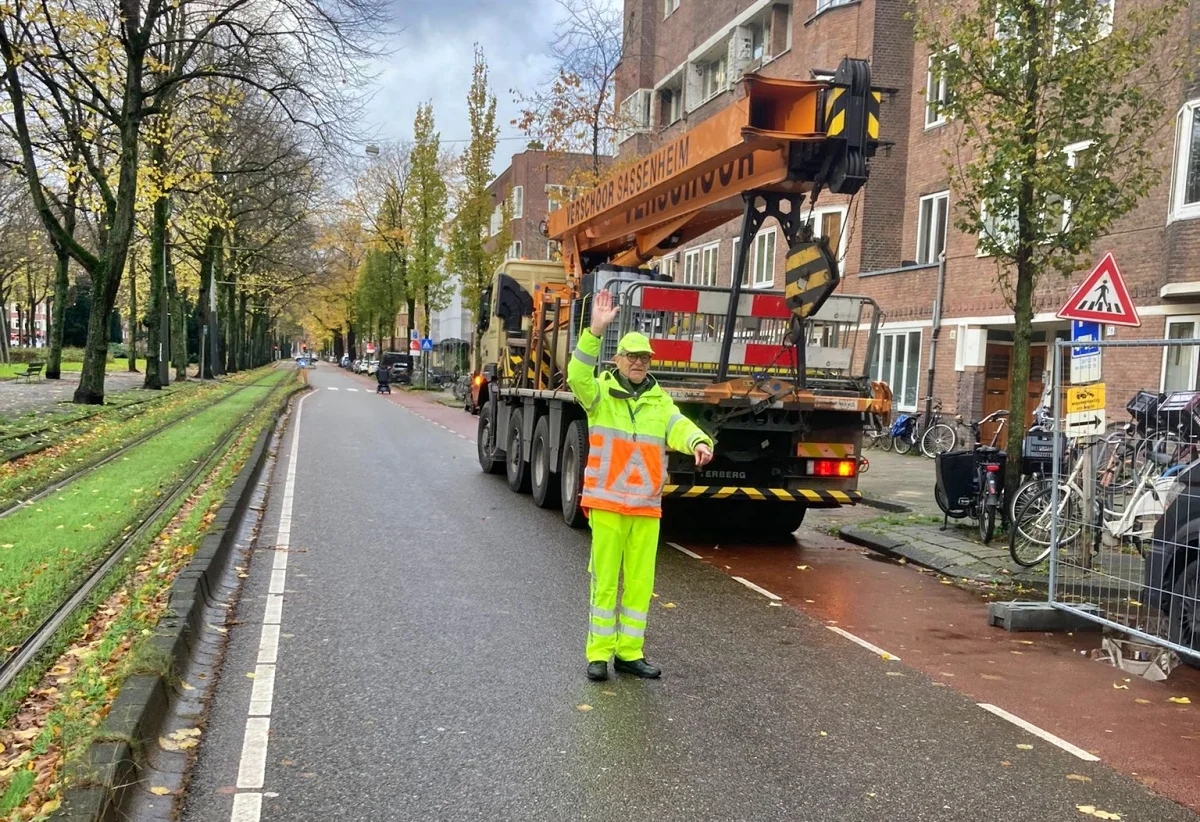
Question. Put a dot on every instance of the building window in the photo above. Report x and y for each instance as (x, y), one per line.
(898, 365)
(496, 221)
(931, 227)
(1077, 157)
(670, 104)
(700, 265)
(706, 76)
(553, 250)
(936, 92)
(1072, 33)
(635, 114)
(554, 198)
(830, 223)
(828, 4)
(1180, 362)
(1185, 191)
(712, 78)
(668, 7)
(514, 250)
(518, 202)
(762, 261)
(667, 265)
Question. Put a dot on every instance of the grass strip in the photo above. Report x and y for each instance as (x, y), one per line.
(47, 549)
(62, 717)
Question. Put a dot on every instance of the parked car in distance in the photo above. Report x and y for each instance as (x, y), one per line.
(372, 367)
(400, 364)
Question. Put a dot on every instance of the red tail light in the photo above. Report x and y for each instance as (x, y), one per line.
(993, 468)
(833, 468)
(479, 379)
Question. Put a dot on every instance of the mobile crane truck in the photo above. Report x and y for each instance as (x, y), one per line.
(777, 378)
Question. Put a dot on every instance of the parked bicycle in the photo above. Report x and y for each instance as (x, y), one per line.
(938, 437)
(971, 483)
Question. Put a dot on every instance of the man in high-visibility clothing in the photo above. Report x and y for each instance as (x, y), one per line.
(631, 423)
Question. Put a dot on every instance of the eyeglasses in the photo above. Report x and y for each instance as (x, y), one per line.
(641, 357)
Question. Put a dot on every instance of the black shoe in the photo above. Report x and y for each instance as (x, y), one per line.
(597, 671)
(637, 667)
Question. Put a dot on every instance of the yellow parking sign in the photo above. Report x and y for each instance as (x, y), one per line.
(1085, 398)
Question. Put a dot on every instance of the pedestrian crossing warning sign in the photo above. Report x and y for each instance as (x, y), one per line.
(1102, 297)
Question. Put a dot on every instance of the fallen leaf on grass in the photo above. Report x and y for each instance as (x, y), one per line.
(7, 545)
(1024, 746)
(159, 790)
(1078, 777)
(50, 807)
(1092, 810)
(1179, 700)
(609, 693)
(585, 708)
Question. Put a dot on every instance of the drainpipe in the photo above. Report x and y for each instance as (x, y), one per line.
(936, 331)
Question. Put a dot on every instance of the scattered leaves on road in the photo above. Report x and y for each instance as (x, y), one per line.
(1179, 700)
(1092, 810)
(1119, 687)
(584, 708)
(1141, 701)
(802, 567)
(669, 605)
(1078, 777)
(159, 790)
(1024, 746)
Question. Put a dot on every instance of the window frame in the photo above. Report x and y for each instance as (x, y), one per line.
(899, 390)
(939, 117)
(1073, 151)
(839, 253)
(701, 273)
(753, 269)
(1187, 147)
(514, 250)
(1181, 319)
(922, 227)
(670, 7)
(517, 198)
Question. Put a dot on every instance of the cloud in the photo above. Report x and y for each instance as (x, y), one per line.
(433, 56)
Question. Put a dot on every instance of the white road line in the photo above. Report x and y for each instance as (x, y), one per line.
(247, 807)
(331, 388)
(355, 390)
(1040, 733)
(268, 645)
(857, 640)
(754, 587)
(253, 766)
(263, 692)
(674, 545)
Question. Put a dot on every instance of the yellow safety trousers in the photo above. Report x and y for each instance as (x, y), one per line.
(629, 542)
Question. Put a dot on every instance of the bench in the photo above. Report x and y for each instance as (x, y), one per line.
(34, 369)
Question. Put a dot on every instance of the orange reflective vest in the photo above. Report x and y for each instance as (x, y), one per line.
(628, 436)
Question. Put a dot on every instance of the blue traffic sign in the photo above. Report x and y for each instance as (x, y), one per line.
(426, 344)
(1084, 331)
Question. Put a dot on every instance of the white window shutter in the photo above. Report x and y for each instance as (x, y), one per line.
(741, 48)
(694, 94)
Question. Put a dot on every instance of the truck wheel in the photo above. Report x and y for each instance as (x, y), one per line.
(570, 474)
(491, 457)
(517, 468)
(1183, 615)
(541, 472)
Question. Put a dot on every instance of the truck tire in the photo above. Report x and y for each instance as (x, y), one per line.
(514, 457)
(570, 474)
(491, 459)
(542, 477)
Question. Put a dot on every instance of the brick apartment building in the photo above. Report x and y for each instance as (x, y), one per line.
(682, 59)
(536, 181)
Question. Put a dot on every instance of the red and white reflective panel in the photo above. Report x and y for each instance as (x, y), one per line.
(693, 301)
(763, 355)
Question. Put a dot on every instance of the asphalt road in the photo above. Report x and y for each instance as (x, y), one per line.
(430, 665)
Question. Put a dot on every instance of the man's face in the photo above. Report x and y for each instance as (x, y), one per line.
(633, 367)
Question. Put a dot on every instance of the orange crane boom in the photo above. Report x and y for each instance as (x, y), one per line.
(785, 137)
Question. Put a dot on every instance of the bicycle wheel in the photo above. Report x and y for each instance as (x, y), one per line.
(886, 442)
(1026, 490)
(903, 443)
(987, 522)
(938, 439)
(1029, 539)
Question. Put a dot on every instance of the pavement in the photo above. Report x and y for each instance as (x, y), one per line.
(429, 664)
(42, 395)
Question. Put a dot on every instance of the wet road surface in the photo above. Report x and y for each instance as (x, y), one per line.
(430, 665)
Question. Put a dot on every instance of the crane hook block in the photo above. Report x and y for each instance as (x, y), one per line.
(810, 276)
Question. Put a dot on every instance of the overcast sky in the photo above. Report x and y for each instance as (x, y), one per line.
(433, 58)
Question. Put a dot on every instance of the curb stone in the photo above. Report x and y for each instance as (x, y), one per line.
(109, 770)
(885, 505)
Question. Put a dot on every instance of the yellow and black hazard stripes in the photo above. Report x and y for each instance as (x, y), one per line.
(807, 495)
(873, 104)
(810, 276)
(825, 450)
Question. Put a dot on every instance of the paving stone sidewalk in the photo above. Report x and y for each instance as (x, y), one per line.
(42, 395)
(894, 482)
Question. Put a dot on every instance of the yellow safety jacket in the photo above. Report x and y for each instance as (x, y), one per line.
(628, 436)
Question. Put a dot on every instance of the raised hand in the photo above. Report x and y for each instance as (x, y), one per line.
(604, 311)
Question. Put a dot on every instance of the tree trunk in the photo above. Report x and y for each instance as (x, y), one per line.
(156, 348)
(243, 333)
(62, 284)
(411, 304)
(231, 333)
(204, 312)
(179, 340)
(134, 322)
(95, 353)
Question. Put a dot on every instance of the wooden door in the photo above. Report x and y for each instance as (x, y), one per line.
(997, 386)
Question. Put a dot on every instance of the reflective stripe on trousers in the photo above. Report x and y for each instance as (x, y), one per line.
(620, 543)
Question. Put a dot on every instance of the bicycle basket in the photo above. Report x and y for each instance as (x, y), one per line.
(955, 472)
(1037, 451)
(1144, 408)
(1180, 411)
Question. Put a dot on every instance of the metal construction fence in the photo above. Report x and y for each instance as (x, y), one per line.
(1119, 520)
